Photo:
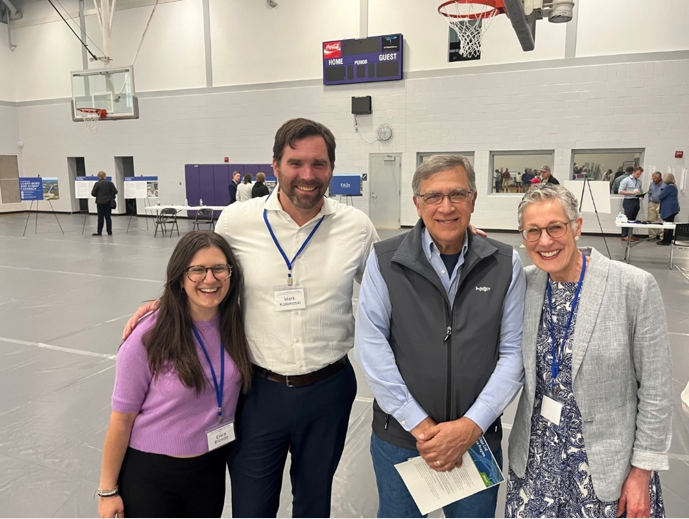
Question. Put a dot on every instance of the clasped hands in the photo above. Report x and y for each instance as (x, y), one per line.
(443, 445)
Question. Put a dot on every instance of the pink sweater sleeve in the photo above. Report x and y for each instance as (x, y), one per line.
(132, 374)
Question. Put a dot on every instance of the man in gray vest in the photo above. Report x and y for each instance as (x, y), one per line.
(438, 334)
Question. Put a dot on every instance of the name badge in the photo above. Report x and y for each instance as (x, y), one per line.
(288, 299)
(220, 436)
(551, 409)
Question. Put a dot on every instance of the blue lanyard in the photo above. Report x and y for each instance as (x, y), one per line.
(289, 263)
(559, 352)
(218, 389)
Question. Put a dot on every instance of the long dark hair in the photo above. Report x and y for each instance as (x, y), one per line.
(170, 341)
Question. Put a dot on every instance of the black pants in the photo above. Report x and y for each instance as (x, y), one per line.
(153, 485)
(309, 422)
(631, 209)
(104, 212)
(670, 233)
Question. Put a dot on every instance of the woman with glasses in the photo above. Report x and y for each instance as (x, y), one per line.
(178, 378)
(593, 423)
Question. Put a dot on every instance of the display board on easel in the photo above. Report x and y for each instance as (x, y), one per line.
(140, 188)
(595, 199)
(347, 186)
(35, 189)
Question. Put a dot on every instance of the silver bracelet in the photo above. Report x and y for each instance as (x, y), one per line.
(108, 493)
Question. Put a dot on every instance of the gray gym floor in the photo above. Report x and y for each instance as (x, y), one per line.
(63, 303)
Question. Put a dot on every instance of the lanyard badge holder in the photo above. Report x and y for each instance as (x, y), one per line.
(223, 433)
(289, 297)
(551, 406)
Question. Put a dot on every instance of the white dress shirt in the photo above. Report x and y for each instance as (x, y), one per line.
(300, 341)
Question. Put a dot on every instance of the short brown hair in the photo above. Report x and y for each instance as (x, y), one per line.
(297, 129)
(260, 176)
(102, 175)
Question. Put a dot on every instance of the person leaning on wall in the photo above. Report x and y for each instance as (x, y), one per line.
(105, 192)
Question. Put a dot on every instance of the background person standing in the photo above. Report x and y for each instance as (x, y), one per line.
(232, 188)
(669, 206)
(244, 189)
(105, 192)
(654, 203)
(630, 187)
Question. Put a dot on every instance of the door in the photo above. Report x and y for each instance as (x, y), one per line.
(385, 173)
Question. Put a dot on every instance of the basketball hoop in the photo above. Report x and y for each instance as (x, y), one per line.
(91, 116)
(470, 19)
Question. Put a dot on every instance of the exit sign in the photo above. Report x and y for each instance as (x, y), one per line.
(679, 154)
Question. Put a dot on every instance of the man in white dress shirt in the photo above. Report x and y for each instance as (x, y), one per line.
(301, 253)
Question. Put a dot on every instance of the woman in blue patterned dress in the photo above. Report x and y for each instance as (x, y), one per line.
(593, 425)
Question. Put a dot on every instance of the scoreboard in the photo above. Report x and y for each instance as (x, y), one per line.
(377, 58)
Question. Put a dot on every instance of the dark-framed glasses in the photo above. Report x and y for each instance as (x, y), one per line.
(197, 273)
(459, 196)
(554, 230)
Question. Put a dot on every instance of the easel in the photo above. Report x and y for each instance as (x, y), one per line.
(348, 199)
(595, 210)
(29, 216)
(146, 204)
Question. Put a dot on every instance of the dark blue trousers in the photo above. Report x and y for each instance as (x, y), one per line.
(308, 422)
(631, 209)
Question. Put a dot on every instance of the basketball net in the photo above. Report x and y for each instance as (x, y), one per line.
(470, 21)
(91, 116)
(91, 121)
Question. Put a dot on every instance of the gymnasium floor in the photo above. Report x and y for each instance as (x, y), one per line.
(63, 304)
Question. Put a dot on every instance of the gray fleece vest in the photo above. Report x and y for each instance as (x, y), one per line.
(444, 356)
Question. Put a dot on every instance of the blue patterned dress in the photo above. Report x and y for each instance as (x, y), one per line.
(557, 482)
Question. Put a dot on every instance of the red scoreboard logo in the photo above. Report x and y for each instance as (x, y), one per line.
(332, 49)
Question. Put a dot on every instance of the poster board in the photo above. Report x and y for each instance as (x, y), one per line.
(84, 185)
(346, 185)
(140, 187)
(30, 188)
(601, 195)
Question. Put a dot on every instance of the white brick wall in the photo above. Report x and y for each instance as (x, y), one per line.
(586, 105)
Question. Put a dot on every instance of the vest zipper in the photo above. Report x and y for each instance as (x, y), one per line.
(448, 398)
(387, 419)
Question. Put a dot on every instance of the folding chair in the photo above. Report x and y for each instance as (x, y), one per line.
(204, 216)
(167, 216)
(681, 239)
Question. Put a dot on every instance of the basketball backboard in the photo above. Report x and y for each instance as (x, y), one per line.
(111, 90)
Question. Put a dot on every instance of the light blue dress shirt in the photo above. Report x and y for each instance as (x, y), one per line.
(372, 348)
(630, 184)
(654, 190)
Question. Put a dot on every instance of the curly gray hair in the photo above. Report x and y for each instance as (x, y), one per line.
(542, 192)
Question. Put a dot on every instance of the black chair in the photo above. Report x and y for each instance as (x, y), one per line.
(681, 239)
(167, 216)
(204, 216)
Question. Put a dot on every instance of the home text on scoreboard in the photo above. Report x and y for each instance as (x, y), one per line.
(377, 58)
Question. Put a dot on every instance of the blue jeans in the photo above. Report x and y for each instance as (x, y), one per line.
(394, 500)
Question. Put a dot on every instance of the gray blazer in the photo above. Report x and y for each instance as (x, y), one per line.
(621, 373)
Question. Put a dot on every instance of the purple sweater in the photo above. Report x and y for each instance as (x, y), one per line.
(172, 419)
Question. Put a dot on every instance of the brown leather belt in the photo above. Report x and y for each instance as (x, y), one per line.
(301, 380)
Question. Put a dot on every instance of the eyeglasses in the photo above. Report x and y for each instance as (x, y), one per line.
(459, 196)
(197, 273)
(554, 230)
